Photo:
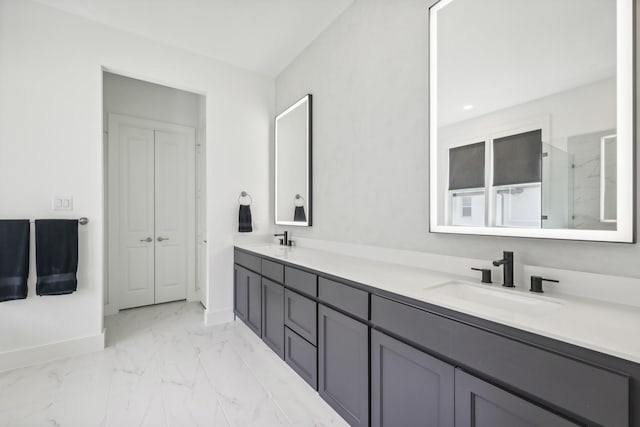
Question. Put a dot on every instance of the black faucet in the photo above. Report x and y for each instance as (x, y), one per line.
(507, 275)
(285, 238)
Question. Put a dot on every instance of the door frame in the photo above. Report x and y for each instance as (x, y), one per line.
(112, 223)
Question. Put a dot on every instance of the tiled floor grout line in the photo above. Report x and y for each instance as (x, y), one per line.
(264, 386)
(215, 392)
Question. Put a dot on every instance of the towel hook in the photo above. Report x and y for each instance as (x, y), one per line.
(245, 194)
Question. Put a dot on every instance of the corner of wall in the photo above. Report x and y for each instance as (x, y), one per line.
(218, 317)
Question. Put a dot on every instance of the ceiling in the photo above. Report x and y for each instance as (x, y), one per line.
(258, 35)
(494, 54)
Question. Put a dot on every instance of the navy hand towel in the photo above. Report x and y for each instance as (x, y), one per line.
(56, 256)
(244, 219)
(299, 215)
(14, 258)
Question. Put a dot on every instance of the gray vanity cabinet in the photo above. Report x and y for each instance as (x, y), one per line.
(368, 353)
(247, 305)
(480, 404)
(273, 316)
(408, 387)
(343, 365)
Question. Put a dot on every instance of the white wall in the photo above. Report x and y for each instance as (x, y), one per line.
(133, 97)
(368, 76)
(51, 143)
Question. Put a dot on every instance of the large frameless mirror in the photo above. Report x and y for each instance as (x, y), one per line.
(293, 164)
(531, 118)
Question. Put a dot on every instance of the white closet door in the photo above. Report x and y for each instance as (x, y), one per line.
(174, 213)
(136, 216)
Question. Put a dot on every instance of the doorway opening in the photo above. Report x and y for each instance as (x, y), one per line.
(155, 177)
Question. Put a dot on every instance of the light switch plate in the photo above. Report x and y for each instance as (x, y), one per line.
(62, 203)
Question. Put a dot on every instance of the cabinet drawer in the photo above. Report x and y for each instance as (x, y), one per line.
(596, 394)
(301, 356)
(249, 261)
(351, 300)
(301, 281)
(273, 270)
(300, 314)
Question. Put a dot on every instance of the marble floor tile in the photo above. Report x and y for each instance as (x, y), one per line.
(163, 368)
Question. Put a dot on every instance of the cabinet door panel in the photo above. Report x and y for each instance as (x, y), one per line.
(273, 316)
(240, 291)
(408, 387)
(254, 308)
(343, 357)
(480, 404)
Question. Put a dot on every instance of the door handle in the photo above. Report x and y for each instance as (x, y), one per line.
(148, 240)
(162, 239)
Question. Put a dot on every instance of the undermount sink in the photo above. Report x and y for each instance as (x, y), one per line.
(274, 250)
(504, 300)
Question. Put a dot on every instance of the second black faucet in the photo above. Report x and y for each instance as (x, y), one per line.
(507, 274)
(285, 238)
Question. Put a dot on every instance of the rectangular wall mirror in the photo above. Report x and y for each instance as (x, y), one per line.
(293, 164)
(531, 118)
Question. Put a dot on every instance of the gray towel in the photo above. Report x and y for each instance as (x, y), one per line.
(14, 258)
(244, 219)
(56, 256)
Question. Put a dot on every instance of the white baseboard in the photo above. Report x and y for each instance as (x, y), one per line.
(218, 317)
(49, 352)
(110, 310)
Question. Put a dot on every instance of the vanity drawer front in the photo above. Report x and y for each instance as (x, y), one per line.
(351, 300)
(596, 394)
(301, 281)
(273, 270)
(300, 314)
(301, 356)
(249, 261)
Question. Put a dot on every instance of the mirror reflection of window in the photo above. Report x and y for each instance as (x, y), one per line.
(467, 208)
(466, 184)
(517, 180)
(519, 206)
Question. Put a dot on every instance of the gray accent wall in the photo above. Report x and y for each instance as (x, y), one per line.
(368, 73)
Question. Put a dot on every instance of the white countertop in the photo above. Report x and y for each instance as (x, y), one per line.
(601, 326)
